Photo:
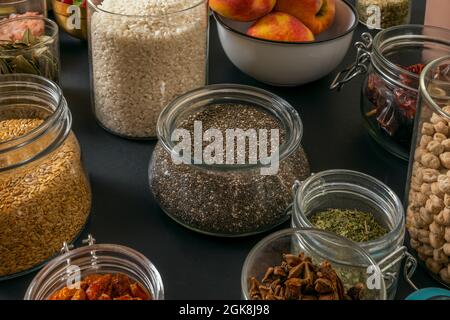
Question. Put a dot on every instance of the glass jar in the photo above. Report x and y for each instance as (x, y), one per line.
(36, 54)
(382, 14)
(343, 189)
(392, 63)
(428, 192)
(228, 198)
(8, 7)
(352, 263)
(95, 259)
(143, 55)
(45, 195)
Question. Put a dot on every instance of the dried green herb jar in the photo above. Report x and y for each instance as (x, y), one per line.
(382, 14)
(343, 189)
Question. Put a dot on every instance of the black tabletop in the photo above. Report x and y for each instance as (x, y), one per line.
(195, 266)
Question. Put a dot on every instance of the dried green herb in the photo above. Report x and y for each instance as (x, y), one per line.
(27, 56)
(355, 225)
(392, 12)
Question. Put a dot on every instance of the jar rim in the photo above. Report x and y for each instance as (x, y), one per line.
(416, 30)
(395, 201)
(424, 90)
(55, 264)
(53, 27)
(61, 110)
(281, 110)
(167, 14)
(304, 231)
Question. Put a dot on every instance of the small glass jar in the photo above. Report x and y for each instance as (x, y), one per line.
(382, 14)
(428, 191)
(228, 199)
(141, 60)
(392, 63)
(95, 259)
(37, 54)
(45, 195)
(352, 263)
(9, 7)
(343, 189)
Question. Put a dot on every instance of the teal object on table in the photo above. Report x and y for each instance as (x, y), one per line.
(430, 294)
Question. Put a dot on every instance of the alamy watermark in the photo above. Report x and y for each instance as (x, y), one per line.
(373, 17)
(74, 19)
(237, 147)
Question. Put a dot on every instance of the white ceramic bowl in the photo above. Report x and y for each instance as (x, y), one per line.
(289, 63)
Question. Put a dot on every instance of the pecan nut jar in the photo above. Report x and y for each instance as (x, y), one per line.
(428, 193)
(45, 195)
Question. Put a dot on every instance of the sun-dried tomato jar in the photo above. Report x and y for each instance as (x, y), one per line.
(74, 265)
(392, 63)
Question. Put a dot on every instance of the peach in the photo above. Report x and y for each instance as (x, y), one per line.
(242, 10)
(280, 26)
(317, 15)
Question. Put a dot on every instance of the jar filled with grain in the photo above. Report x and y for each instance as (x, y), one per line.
(45, 195)
(143, 54)
(428, 192)
(360, 208)
(226, 159)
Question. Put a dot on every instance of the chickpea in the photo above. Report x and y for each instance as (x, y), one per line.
(435, 147)
(446, 144)
(443, 218)
(425, 240)
(437, 229)
(425, 140)
(429, 175)
(436, 191)
(418, 221)
(435, 118)
(447, 234)
(425, 189)
(439, 137)
(413, 232)
(445, 159)
(429, 160)
(416, 181)
(428, 129)
(434, 205)
(446, 109)
(441, 127)
(443, 184)
(445, 275)
(418, 153)
(436, 241)
(433, 266)
(425, 250)
(439, 256)
(446, 249)
(414, 244)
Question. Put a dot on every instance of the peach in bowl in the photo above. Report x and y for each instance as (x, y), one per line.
(288, 45)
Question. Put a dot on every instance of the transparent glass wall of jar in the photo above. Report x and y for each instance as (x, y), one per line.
(343, 189)
(428, 192)
(45, 195)
(144, 54)
(13, 7)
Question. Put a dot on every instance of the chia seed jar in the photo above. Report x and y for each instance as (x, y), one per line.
(343, 189)
(230, 198)
(391, 64)
(45, 195)
(74, 265)
(428, 186)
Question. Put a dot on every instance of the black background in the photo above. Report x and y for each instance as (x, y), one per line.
(194, 266)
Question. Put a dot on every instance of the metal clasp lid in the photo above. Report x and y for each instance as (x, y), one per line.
(90, 241)
(387, 266)
(360, 66)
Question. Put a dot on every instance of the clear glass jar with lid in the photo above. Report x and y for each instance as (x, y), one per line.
(73, 266)
(391, 64)
(382, 14)
(143, 54)
(428, 191)
(210, 194)
(45, 195)
(353, 264)
(9, 7)
(350, 190)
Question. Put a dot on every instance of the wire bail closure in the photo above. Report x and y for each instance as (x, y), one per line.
(363, 57)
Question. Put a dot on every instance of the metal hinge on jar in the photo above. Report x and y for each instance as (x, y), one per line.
(90, 241)
(388, 263)
(361, 65)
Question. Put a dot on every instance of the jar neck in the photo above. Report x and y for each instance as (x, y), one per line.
(29, 96)
(343, 189)
(200, 99)
(391, 48)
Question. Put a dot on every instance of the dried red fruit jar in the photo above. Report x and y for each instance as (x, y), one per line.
(392, 63)
(81, 274)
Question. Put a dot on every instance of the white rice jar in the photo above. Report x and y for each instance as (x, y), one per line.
(143, 54)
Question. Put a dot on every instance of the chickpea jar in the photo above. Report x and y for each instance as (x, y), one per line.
(428, 194)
